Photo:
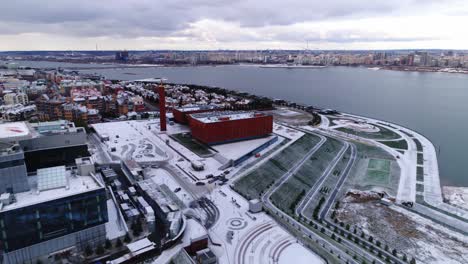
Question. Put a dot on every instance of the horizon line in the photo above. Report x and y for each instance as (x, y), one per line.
(208, 50)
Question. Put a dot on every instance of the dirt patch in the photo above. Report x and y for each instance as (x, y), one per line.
(407, 232)
(381, 222)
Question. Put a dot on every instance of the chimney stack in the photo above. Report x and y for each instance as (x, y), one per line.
(162, 107)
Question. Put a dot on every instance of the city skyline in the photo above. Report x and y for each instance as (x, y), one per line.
(241, 25)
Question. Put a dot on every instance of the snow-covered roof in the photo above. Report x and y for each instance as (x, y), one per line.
(196, 108)
(213, 117)
(140, 244)
(76, 185)
(14, 131)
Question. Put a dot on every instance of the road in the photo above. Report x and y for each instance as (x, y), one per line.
(296, 166)
(266, 201)
(340, 182)
(211, 210)
(315, 188)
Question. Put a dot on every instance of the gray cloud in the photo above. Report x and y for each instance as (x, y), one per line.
(175, 18)
(120, 17)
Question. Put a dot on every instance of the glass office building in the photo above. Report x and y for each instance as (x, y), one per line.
(26, 226)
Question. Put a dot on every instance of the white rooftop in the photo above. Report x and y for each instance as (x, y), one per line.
(238, 149)
(14, 131)
(213, 117)
(76, 185)
(196, 108)
(151, 80)
(140, 244)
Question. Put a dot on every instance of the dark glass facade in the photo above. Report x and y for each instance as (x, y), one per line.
(45, 158)
(33, 224)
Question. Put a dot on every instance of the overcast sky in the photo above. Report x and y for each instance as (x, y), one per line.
(233, 24)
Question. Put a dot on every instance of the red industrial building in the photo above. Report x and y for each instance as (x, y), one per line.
(224, 127)
(182, 114)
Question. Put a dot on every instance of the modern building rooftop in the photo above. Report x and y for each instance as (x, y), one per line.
(14, 131)
(154, 191)
(197, 108)
(214, 117)
(53, 126)
(151, 80)
(56, 184)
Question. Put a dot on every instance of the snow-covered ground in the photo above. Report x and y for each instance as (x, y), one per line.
(438, 244)
(161, 176)
(287, 112)
(457, 196)
(236, 150)
(287, 132)
(132, 140)
(409, 233)
(295, 254)
(355, 125)
(114, 227)
(252, 238)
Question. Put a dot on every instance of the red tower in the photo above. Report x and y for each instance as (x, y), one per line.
(162, 107)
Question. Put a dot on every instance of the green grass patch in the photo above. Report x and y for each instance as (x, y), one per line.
(378, 171)
(419, 170)
(420, 177)
(258, 180)
(307, 175)
(379, 164)
(418, 144)
(400, 144)
(420, 159)
(419, 187)
(186, 140)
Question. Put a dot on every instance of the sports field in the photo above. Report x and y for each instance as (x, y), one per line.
(378, 171)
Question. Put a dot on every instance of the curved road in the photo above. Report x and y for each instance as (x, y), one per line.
(266, 201)
(311, 193)
(340, 182)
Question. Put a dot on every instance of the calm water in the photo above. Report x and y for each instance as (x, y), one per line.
(434, 104)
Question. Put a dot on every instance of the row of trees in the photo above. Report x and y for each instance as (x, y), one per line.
(101, 249)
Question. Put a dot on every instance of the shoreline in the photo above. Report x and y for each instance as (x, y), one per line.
(116, 65)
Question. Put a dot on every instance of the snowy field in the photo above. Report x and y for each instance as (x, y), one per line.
(114, 227)
(357, 126)
(161, 176)
(287, 132)
(252, 238)
(238, 149)
(424, 239)
(287, 112)
(457, 196)
(132, 140)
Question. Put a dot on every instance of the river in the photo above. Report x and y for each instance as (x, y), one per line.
(433, 104)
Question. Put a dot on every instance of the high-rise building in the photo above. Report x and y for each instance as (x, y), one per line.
(61, 211)
(46, 209)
